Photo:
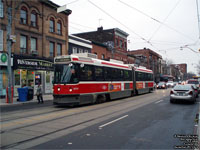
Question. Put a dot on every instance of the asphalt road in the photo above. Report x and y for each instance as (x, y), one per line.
(157, 125)
(147, 121)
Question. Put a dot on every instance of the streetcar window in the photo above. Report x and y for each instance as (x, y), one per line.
(107, 73)
(127, 75)
(86, 73)
(65, 74)
(121, 75)
(99, 73)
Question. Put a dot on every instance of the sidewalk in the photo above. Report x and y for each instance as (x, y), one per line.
(46, 97)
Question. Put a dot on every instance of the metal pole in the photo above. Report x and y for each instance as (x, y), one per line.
(9, 46)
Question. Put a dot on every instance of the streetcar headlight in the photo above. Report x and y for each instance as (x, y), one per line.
(58, 88)
(70, 89)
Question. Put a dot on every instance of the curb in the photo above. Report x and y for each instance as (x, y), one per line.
(21, 103)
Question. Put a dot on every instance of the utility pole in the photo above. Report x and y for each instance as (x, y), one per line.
(9, 47)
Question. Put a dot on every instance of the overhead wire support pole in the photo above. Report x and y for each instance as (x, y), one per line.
(198, 17)
(9, 48)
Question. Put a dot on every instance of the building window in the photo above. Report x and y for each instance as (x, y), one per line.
(23, 44)
(116, 42)
(33, 18)
(1, 9)
(120, 43)
(23, 15)
(52, 25)
(33, 44)
(74, 49)
(125, 45)
(59, 27)
(1, 40)
(51, 49)
(80, 50)
(103, 56)
(59, 49)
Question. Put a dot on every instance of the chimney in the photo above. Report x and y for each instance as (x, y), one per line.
(100, 29)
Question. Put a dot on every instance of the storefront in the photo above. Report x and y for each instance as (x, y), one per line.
(4, 73)
(31, 71)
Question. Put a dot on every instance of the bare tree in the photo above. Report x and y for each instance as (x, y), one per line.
(169, 62)
(190, 75)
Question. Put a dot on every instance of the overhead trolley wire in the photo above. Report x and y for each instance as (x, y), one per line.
(142, 38)
(164, 20)
(156, 20)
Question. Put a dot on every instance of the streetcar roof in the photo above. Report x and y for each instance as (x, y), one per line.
(65, 59)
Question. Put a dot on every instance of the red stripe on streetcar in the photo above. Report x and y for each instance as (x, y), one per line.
(105, 63)
(76, 59)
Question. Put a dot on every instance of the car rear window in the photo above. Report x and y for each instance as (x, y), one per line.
(183, 87)
(193, 82)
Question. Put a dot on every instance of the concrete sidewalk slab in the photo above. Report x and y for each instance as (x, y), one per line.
(46, 97)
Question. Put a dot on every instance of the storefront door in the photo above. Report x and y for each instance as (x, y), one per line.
(38, 80)
(48, 82)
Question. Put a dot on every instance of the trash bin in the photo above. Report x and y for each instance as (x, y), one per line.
(30, 93)
(22, 92)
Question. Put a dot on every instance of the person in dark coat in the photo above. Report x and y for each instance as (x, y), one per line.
(39, 94)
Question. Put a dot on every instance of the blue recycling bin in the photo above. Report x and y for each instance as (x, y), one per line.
(23, 93)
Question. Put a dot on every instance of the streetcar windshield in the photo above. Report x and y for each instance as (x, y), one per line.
(65, 73)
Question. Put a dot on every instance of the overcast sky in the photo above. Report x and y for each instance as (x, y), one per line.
(168, 27)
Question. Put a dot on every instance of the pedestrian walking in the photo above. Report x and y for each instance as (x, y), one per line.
(39, 94)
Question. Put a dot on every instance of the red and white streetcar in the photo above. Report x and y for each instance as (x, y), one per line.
(83, 79)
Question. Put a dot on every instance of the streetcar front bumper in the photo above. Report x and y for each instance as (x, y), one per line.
(66, 99)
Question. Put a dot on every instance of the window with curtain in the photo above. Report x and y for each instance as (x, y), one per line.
(1, 40)
(23, 44)
(23, 15)
(33, 18)
(59, 49)
(33, 44)
(1, 9)
(51, 25)
(51, 49)
(59, 28)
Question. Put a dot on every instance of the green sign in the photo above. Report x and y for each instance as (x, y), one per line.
(4, 58)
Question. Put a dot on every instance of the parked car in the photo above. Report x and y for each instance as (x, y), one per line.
(161, 85)
(195, 89)
(170, 84)
(183, 93)
(196, 82)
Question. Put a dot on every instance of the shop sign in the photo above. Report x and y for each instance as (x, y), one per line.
(33, 64)
(4, 59)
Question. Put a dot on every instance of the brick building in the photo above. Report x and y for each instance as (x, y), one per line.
(100, 50)
(40, 34)
(115, 40)
(149, 59)
(179, 71)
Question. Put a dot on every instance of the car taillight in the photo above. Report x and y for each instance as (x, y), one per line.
(190, 93)
(171, 92)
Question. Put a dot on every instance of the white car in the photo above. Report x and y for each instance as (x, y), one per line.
(170, 84)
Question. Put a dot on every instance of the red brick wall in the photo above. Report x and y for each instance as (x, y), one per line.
(41, 32)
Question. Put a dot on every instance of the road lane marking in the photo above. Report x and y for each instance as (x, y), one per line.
(112, 121)
(158, 101)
